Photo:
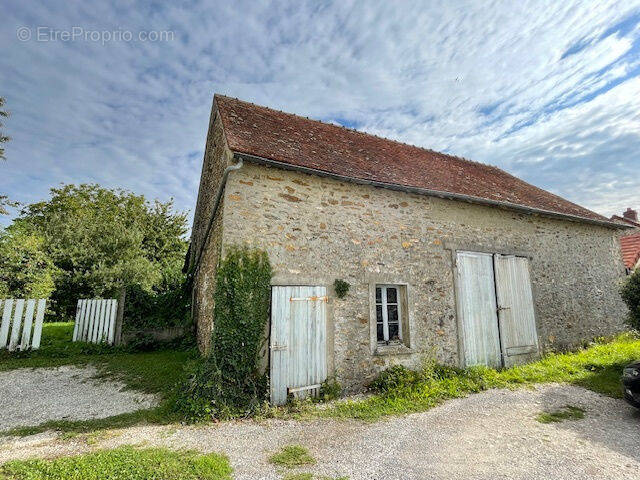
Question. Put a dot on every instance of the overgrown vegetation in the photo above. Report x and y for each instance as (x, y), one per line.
(341, 288)
(89, 241)
(630, 293)
(568, 412)
(124, 463)
(292, 456)
(399, 391)
(228, 383)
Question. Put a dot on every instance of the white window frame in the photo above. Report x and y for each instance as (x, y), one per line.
(385, 312)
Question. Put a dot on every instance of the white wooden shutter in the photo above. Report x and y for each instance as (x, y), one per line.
(516, 314)
(477, 309)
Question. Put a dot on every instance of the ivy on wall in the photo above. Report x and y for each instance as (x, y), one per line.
(228, 383)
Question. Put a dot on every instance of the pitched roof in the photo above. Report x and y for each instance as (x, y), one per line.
(626, 221)
(630, 249)
(300, 142)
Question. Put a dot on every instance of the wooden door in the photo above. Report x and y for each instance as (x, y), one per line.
(516, 315)
(298, 341)
(476, 301)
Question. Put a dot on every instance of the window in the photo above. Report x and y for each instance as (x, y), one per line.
(388, 315)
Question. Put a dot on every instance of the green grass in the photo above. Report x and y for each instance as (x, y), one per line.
(124, 463)
(154, 372)
(568, 412)
(292, 456)
(597, 368)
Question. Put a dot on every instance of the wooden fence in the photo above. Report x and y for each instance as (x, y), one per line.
(96, 321)
(18, 329)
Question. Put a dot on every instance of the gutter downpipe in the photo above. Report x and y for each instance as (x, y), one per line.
(216, 204)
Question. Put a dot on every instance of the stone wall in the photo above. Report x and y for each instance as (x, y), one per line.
(216, 158)
(318, 229)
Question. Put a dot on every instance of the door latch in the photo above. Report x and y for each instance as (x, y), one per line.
(503, 308)
(278, 348)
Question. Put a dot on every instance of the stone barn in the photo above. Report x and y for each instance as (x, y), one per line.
(445, 258)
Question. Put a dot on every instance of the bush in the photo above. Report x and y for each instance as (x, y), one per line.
(329, 390)
(166, 305)
(630, 293)
(341, 287)
(395, 378)
(228, 383)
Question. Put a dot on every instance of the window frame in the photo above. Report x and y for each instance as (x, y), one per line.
(385, 312)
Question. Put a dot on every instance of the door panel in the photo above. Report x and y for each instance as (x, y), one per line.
(476, 300)
(516, 314)
(298, 340)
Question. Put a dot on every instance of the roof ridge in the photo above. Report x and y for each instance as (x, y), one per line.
(450, 155)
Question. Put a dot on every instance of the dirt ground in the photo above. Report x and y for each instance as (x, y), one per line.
(491, 435)
(33, 396)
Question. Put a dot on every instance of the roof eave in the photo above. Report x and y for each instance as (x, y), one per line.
(432, 193)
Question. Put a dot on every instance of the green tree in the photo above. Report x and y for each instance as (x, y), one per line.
(101, 240)
(630, 293)
(26, 271)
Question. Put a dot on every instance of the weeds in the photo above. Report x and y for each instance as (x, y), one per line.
(568, 412)
(292, 456)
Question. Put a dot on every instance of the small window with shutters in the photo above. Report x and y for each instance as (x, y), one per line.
(389, 313)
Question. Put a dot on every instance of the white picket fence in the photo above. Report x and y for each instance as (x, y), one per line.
(96, 320)
(18, 330)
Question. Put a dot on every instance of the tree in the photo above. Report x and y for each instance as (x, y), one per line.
(26, 271)
(101, 240)
(4, 200)
(630, 293)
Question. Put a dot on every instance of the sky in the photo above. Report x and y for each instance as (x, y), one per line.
(119, 93)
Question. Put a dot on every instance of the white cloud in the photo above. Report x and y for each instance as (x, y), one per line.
(487, 81)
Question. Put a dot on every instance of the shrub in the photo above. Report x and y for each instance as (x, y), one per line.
(630, 293)
(341, 287)
(395, 378)
(329, 390)
(228, 383)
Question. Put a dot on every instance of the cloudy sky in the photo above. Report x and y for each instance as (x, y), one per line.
(549, 91)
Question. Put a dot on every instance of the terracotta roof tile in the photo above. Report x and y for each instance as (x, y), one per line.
(630, 249)
(299, 141)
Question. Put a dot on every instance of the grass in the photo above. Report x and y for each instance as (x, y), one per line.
(568, 412)
(155, 372)
(597, 367)
(292, 456)
(124, 463)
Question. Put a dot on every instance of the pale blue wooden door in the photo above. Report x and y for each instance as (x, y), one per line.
(298, 341)
(516, 315)
(477, 314)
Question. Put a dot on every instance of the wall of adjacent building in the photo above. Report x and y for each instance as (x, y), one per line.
(318, 229)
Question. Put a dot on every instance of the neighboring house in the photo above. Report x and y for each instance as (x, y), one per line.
(630, 243)
(447, 258)
(631, 251)
(629, 217)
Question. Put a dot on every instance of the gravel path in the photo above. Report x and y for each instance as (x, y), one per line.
(491, 435)
(33, 396)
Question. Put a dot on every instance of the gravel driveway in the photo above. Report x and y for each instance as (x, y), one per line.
(33, 396)
(491, 435)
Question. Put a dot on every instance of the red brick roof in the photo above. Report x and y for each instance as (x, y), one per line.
(301, 142)
(630, 249)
